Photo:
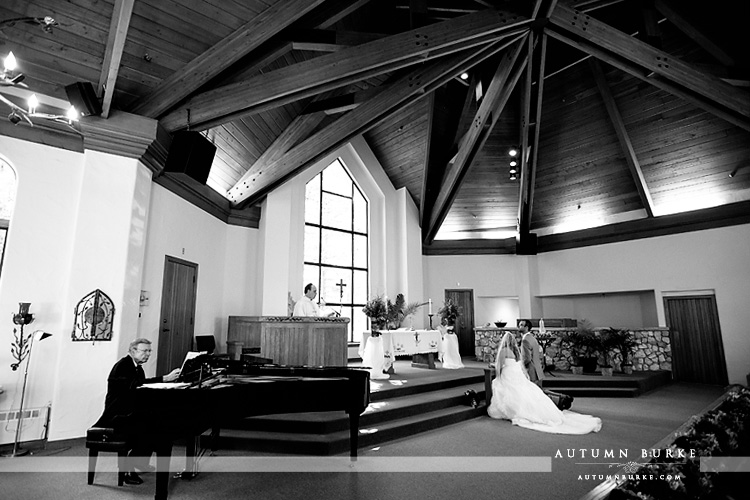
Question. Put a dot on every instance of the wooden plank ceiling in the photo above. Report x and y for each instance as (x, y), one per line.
(624, 111)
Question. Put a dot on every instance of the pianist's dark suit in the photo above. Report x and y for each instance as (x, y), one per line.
(119, 406)
(122, 382)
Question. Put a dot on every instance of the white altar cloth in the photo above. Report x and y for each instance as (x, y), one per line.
(400, 342)
(449, 354)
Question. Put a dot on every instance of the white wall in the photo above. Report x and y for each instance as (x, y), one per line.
(38, 251)
(226, 266)
(715, 259)
(395, 260)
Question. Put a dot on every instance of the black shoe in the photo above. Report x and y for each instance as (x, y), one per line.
(132, 478)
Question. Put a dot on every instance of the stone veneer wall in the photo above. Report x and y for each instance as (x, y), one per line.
(654, 350)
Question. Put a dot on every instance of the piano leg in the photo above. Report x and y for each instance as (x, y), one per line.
(353, 433)
(163, 457)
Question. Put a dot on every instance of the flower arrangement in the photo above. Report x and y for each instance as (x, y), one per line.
(377, 310)
(449, 313)
(386, 314)
(723, 431)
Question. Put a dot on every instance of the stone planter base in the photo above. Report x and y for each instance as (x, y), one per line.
(607, 371)
(577, 370)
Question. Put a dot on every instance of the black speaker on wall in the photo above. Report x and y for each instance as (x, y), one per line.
(191, 154)
(526, 244)
(82, 96)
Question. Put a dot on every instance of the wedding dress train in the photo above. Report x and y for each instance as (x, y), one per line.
(519, 400)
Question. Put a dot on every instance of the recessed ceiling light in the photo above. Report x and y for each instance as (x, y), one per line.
(464, 76)
(513, 171)
(513, 163)
(513, 152)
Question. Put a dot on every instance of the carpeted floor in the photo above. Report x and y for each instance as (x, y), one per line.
(628, 424)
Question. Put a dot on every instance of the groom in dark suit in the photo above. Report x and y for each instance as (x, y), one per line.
(532, 359)
(126, 376)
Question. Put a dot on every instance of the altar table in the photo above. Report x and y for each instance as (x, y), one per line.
(397, 343)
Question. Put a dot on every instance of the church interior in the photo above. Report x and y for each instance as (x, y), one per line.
(181, 170)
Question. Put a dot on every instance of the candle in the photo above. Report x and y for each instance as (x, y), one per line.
(429, 302)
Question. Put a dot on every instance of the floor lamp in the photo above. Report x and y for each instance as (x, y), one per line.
(21, 350)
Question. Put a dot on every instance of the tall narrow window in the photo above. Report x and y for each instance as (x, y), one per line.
(7, 201)
(336, 249)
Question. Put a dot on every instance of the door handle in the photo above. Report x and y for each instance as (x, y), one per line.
(165, 329)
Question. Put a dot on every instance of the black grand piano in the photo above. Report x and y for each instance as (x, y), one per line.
(220, 390)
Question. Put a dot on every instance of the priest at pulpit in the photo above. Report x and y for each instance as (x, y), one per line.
(306, 307)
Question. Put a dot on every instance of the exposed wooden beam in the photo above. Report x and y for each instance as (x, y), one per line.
(411, 87)
(446, 118)
(622, 135)
(656, 61)
(637, 71)
(346, 102)
(671, 11)
(467, 114)
(529, 157)
(266, 54)
(696, 220)
(523, 218)
(332, 12)
(300, 128)
(223, 54)
(344, 67)
(428, 151)
(118, 33)
(493, 102)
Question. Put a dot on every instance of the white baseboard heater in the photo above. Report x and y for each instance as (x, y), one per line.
(34, 425)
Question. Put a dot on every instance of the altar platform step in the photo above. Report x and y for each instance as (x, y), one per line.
(413, 400)
(596, 385)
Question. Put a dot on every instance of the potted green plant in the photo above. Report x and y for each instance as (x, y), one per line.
(584, 345)
(608, 340)
(449, 313)
(400, 311)
(624, 342)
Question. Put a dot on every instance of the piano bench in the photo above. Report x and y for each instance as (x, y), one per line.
(107, 439)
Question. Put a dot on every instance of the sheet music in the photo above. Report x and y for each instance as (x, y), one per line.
(190, 355)
(166, 385)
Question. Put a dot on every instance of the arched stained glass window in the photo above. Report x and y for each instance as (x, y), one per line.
(336, 249)
(7, 202)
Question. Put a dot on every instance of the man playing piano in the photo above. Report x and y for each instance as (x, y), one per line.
(127, 375)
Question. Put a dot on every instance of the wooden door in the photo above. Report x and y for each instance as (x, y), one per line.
(697, 348)
(465, 324)
(176, 325)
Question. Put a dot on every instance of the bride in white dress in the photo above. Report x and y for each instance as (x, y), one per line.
(519, 400)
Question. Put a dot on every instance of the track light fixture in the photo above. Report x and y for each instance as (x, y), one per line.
(513, 171)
